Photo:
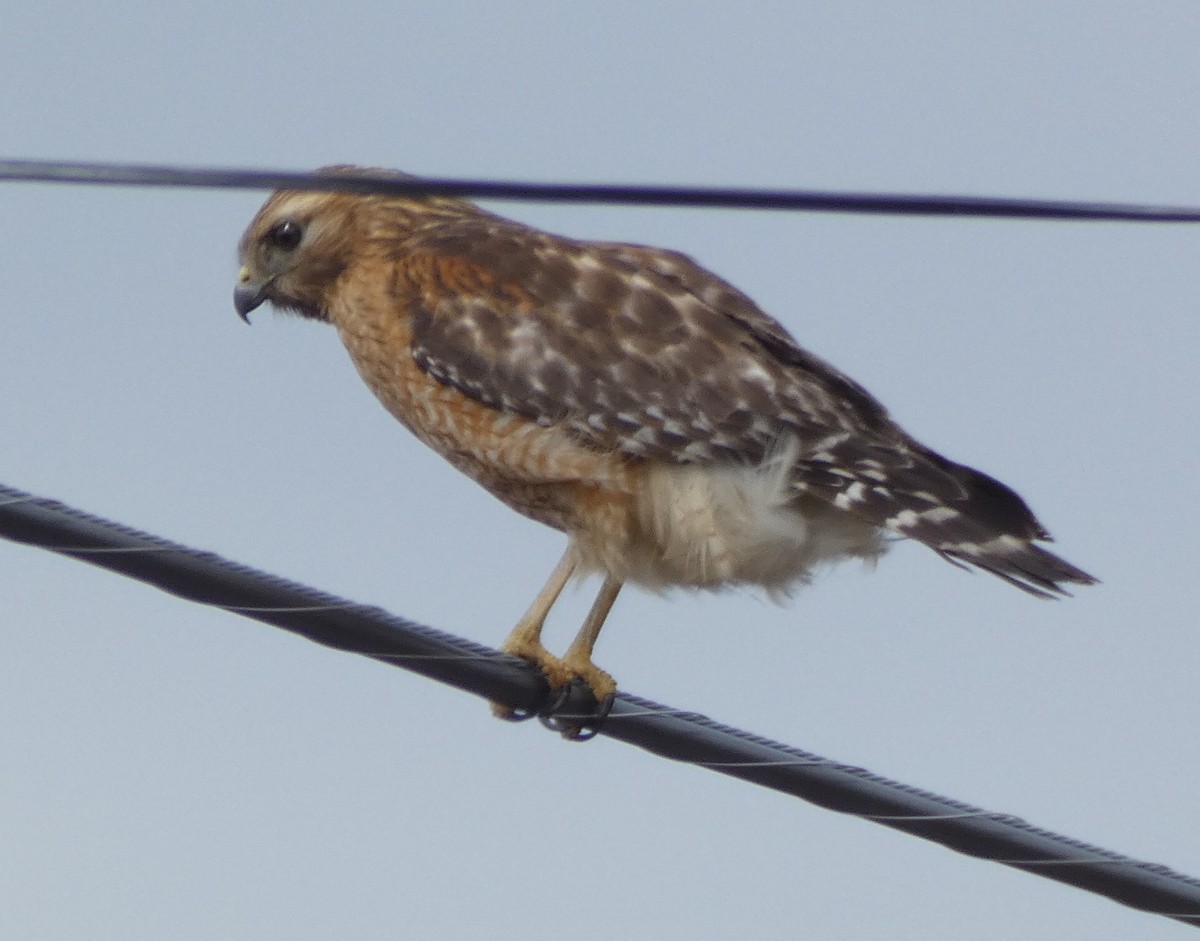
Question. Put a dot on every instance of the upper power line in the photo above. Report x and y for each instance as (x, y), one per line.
(900, 204)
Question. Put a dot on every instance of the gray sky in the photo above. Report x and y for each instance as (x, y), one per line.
(172, 771)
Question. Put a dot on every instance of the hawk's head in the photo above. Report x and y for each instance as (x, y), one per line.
(300, 242)
(294, 250)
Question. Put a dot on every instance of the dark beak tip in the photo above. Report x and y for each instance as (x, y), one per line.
(246, 298)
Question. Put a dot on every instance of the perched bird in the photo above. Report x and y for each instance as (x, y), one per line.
(626, 396)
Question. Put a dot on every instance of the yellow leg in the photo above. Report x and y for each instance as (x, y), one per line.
(578, 660)
(525, 641)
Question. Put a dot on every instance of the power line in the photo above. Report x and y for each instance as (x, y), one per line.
(680, 735)
(124, 174)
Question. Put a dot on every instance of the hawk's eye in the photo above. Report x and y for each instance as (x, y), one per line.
(285, 235)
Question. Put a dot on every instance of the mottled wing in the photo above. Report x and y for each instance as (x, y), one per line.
(579, 336)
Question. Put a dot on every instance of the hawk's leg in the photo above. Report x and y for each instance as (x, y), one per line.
(578, 663)
(578, 659)
(525, 641)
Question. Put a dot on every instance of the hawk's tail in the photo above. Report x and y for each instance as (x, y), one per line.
(965, 516)
(1024, 564)
(987, 525)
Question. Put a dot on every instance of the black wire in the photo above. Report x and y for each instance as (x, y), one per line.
(671, 733)
(120, 174)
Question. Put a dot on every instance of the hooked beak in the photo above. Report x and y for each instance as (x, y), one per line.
(248, 294)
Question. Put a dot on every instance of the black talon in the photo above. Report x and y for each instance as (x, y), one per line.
(550, 706)
(517, 715)
(591, 728)
(569, 726)
(548, 700)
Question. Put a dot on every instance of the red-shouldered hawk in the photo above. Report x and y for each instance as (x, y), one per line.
(626, 396)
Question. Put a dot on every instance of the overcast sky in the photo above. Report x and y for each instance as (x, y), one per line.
(173, 771)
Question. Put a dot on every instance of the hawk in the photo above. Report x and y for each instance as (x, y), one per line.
(624, 395)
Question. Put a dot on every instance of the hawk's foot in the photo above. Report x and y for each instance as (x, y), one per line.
(571, 722)
(557, 675)
(602, 685)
